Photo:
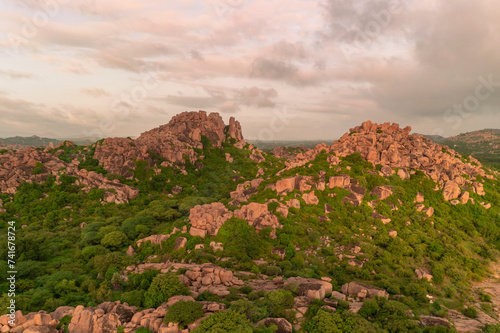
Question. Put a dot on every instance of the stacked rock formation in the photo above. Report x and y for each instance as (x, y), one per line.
(392, 147)
(17, 167)
(207, 219)
(171, 142)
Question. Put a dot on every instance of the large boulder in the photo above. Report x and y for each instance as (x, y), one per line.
(382, 192)
(451, 190)
(283, 325)
(354, 288)
(207, 219)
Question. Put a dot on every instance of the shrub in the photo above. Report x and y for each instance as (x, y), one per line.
(207, 296)
(227, 322)
(492, 328)
(133, 298)
(183, 313)
(273, 270)
(162, 288)
(114, 240)
(470, 312)
(142, 330)
(246, 290)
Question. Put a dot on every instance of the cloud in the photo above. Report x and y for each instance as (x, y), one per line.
(95, 92)
(226, 100)
(16, 75)
(344, 61)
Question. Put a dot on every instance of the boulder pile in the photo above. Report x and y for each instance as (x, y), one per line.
(172, 142)
(35, 166)
(207, 219)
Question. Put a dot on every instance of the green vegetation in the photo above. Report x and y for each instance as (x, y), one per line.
(162, 288)
(183, 313)
(230, 322)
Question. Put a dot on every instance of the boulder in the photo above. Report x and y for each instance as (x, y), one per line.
(434, 321)
(342, 181)
(310, 198)
(451, 190)
(207, 219)
(180, 243)
(354, 288)
(423, 274)
(419, 198)
(283, 325)
(382, 192)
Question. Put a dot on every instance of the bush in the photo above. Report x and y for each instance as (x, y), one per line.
(273, 270)
(114, 240)
(162, 288)
(470, 312)
(183, 313)
(227, 322)
(492, 328)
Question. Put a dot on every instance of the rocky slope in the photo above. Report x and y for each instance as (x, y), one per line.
(173, 142)
(33, 165)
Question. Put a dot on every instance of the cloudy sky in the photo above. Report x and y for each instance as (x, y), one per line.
(287, 69)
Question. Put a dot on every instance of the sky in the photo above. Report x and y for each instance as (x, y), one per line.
(286, 69)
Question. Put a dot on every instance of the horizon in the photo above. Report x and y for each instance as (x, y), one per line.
(243, 128)
(295, 69)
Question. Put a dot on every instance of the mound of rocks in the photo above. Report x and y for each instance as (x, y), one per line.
(207, 219)
(394, 148)
(258, 216)
(34, 166)
(172, 142)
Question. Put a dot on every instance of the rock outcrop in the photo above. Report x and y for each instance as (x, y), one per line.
(35, 166)
(207, 219)
(394, 148)
(172, 142)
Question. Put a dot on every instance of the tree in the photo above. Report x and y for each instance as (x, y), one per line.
(183, 313)
(114, 240)
(162, 288)
(225, 322)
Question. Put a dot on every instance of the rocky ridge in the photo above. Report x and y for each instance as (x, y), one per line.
(34, 166)
(172, 142)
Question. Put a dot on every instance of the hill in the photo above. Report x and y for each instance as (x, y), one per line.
(483, 145)
(19, 142)
(189, 226)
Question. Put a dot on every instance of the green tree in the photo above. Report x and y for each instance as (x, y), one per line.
(114, 240)
(162, 288)
(183, 313)
(225, 322)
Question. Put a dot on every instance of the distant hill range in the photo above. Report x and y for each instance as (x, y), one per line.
(270, 145)
(483, 145)
(18, 142)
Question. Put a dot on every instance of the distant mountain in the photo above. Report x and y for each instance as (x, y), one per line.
(483, 145)
(270, 145)
(18, 142)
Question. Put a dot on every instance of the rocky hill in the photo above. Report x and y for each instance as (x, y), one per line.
(189, 228)
(19, 142)
(483, 145)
